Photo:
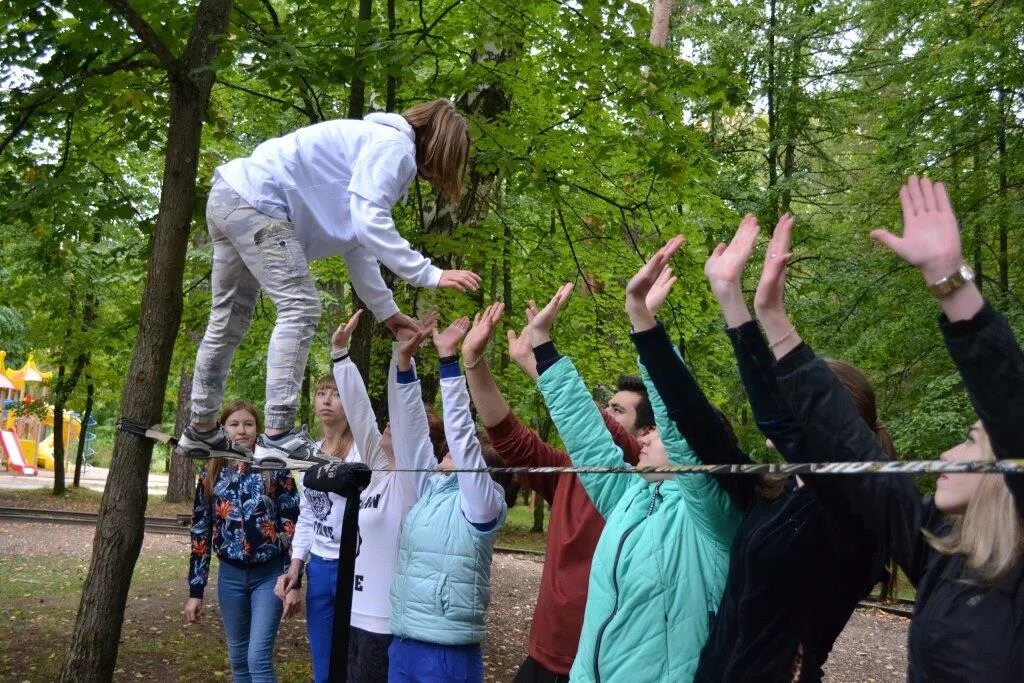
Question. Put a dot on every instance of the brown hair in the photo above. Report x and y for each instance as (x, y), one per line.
(437, 438)
(345, 441)
(858, 386)
(442, 145)
(214, 467)
(990, 533)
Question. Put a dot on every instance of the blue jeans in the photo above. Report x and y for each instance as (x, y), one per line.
(321, 582)
(413, 661)
(251, 614)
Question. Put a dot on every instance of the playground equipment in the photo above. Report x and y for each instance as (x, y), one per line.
(30, 443)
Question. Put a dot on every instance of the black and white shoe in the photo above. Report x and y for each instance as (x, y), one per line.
(195, 444)
(282, 452)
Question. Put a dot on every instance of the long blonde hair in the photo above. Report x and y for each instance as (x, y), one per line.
(442, 145)
(990, 533)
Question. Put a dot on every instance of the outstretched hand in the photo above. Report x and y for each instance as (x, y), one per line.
(520, 350)
(544, 319)
(931, 236)
(409, 347)
(448, 341)
(768, 300)
(343, 335)
(479, 336)
(651, 279)
(462, 280)
(724, 268)
(402, 326)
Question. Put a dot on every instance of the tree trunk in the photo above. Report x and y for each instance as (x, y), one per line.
(661, 18)
(92, 651)
(538, 514)
(90, 393)
(182, 473)
(357, 98)
(59, 486)
(391, 89)
(1004, 259)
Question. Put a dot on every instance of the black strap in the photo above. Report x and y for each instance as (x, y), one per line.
(343, 590)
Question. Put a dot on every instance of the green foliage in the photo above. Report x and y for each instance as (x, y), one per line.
(606, 146)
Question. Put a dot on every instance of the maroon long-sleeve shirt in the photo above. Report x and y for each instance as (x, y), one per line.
(573, 530)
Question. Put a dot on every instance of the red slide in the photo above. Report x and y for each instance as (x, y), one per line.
(12, 449)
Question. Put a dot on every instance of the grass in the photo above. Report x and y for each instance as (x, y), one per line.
(81, 500)
(39, 599)
(516, 532)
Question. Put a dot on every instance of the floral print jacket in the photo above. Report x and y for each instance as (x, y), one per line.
(248, 520)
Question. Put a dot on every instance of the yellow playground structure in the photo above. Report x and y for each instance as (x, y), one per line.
(28, 439)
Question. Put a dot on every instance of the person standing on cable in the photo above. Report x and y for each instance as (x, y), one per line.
(324, 190)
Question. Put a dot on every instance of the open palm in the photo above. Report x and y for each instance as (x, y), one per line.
(724, 268)
(480, 334)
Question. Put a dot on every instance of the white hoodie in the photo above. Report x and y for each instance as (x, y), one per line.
(337, 181)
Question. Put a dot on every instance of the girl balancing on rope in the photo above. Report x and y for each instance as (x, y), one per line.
(962, 549)
(324, 190)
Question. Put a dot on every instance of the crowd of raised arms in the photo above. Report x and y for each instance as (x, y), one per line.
(648, 576)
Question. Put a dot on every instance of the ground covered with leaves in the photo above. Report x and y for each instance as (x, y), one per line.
(44, 565)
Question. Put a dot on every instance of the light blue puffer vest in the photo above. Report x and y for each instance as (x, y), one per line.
(442, 584)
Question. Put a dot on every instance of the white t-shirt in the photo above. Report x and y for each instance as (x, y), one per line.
(390, 495)
(337, 181)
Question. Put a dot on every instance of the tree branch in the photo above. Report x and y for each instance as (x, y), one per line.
(144, 32)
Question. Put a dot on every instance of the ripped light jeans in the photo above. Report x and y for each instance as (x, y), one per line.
(252, 250)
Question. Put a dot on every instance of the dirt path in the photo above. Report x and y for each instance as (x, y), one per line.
(872, 648)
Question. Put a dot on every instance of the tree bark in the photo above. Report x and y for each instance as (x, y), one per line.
(1004, 232)
(181, 477)
(92, 651)
(773, 118)
(661, 19)
(90, 393)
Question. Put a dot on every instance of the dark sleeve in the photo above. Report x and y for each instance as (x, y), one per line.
(991, 364)
(887, 507)
(773, 418)
(202, 535)
(692, 413)
(286, 499)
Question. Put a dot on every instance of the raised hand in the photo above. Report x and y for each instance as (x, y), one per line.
(462, 280)
(543, 320)
(724, 268)
(645, 280)
(771, 288)
(475, 344)
(410, 346)
(342, 335)
(660, 289)
(448, 341)
(402, 326)
(520, 350)
(931, 236)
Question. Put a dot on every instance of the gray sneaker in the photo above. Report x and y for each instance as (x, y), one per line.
(195, 444)
(296, 445)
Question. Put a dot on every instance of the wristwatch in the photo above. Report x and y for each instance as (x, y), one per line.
(951, 283)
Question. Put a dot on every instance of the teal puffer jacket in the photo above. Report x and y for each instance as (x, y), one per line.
(659, 568)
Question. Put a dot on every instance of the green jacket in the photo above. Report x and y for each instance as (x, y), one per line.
(659, 568)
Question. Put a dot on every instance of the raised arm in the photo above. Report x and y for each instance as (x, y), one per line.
(354, 399)
(888, 508)
(979, 340)
(410, 431)
(482, 499)
(683, 401)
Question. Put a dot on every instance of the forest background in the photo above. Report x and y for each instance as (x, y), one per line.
(600, 128)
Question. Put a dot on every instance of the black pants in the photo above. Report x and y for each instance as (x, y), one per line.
(368, 656)
(531, 671)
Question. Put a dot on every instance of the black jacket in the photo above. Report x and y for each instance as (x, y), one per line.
(780, 612)
(961, 630)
